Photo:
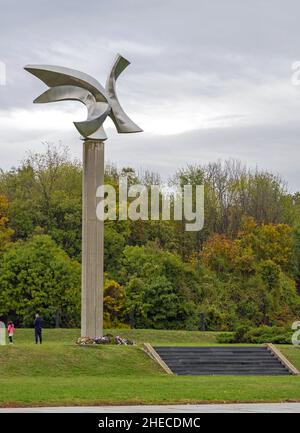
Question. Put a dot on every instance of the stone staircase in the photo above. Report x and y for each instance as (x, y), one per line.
(222, 360)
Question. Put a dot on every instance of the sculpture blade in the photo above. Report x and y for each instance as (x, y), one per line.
(69, 84)
(122, 122)
(97, 111)
(64, 93)
(54, 76)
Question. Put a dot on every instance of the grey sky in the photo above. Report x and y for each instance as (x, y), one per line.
(209, 79)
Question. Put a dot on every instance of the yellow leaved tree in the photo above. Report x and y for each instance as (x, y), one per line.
(5, 231)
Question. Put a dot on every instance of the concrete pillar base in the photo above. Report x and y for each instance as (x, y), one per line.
(92, 241)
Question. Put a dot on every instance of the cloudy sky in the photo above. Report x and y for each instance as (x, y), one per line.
(209, 79)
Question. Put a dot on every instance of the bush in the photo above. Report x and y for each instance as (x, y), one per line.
(226, 338)
(240, 333)
(260, 335)
(267, 334)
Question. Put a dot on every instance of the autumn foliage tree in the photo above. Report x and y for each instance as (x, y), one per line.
(114, 304)
(5, 231)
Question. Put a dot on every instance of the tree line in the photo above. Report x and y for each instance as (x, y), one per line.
(242, 268)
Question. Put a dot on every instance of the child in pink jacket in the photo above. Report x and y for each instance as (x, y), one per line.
(10, 330)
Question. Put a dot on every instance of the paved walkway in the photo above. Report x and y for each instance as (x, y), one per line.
(194, 408)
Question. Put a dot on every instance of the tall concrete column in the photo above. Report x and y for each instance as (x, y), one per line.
(92, 241)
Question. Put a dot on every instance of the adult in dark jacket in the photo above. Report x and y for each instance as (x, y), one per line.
(38, 325)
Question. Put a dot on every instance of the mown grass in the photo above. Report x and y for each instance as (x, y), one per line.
(139, 336)
(292, 353)
(61, 373)
(93, 390)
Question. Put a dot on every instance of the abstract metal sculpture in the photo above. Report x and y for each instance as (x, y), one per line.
(68, 84)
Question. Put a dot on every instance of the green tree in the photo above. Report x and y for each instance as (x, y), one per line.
(157, 284)
(38, 275)
(45, 195)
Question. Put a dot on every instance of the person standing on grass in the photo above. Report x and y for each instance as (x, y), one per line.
(10, 330)
(38, 324)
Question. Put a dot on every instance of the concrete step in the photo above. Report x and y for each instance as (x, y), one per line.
(222, 358)
(214, 348)
(231, 373)
(227, 368)
(222, 362)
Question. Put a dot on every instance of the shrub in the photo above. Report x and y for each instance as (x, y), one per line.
(267, 334)
(260, 335)
(226, 338)
(240, 333)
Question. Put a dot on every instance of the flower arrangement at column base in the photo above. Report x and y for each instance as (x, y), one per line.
(106, 339)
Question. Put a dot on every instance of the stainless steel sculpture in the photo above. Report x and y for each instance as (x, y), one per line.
(69, 84)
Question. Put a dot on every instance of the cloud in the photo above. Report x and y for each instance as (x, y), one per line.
(208, 79)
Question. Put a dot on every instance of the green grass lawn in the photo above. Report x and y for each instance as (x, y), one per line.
(170, 338)
(61, 373)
